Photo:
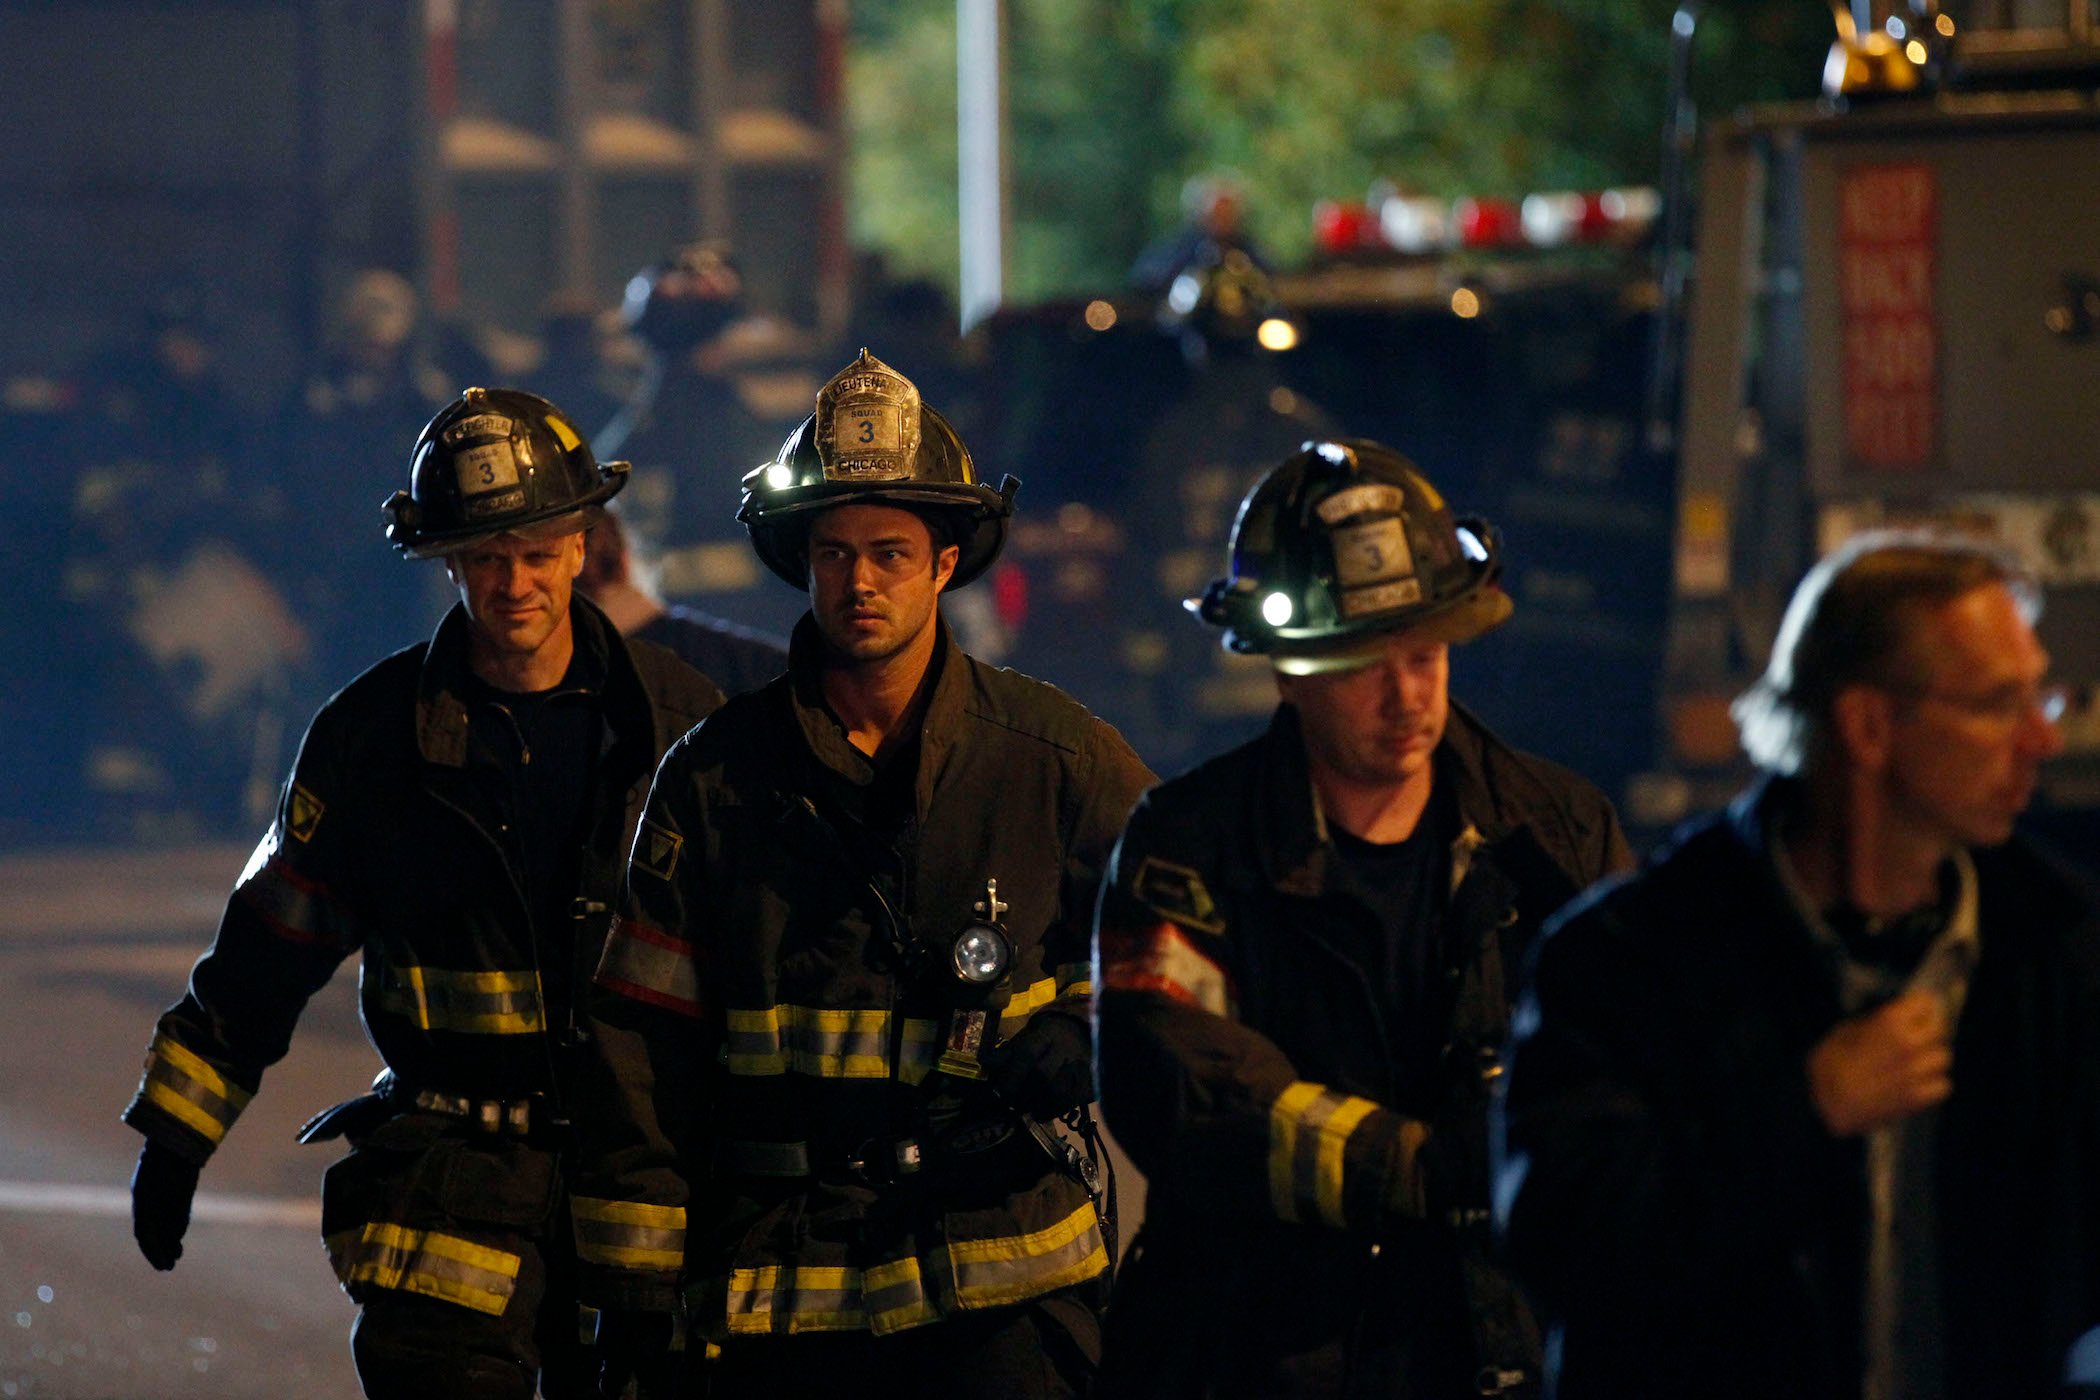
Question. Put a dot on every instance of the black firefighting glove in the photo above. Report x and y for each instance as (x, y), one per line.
(633, 1345)
(161, 1190)
(1045, 1071)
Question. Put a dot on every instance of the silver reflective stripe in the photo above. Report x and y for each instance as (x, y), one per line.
(766, 1158)
(650, 965)
(1309, 1128)
(894, 1297)
(628, 1234)
(187, 1089)
(470, 1003)
(777, 1298)
(433, 1264)
(1014, 1268)
(824, 1042)
(815, 1298)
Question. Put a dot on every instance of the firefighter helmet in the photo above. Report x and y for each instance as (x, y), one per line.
(685, 300)
(494, 462)
(1223, 295)
(1338, 546)
(872, 441)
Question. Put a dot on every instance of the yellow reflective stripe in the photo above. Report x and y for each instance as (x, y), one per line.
(1309, 1128)
(777, 1299)
(1334, 1140)
(427, 1262)
(824, 1042)
(1025, 1002)
(1075, 979)
(182, 1085)
(894, 1296)
(812, 1298)
(470, 1002)
(1283, 1146)
(181, 1057)
(754, 1042)
(1011, 1269)
(185, 1112)
(628, 1234)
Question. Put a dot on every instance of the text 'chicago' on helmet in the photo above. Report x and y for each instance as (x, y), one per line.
(872, 441)
(498, 462)
(1342, 544)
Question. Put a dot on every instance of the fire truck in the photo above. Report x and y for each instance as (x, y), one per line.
(1880, 307)
(1892, 320)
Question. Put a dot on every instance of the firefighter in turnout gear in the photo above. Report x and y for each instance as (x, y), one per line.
(459, 815)
(847, 993)
(1304, 947)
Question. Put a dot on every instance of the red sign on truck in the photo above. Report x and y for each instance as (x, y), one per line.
(1887, 231)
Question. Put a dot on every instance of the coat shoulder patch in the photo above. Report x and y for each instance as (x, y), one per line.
(656, 850)
(303, 814)
(1178, 893)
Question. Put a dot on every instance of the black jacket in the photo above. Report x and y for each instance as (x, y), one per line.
(389, 841)
(1311, 1217)
(791, 1125)
(1688, 1222)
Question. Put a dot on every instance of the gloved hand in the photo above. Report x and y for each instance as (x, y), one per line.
(161, 1190)
(632, 1344)
(1046, 1070)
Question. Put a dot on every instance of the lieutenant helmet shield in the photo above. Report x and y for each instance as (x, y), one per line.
(495, 462)
(872, 441)
(1342, 544)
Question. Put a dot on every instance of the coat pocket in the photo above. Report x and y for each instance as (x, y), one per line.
(498, 1182)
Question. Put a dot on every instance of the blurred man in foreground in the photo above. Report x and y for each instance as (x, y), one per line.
(1807, 1108)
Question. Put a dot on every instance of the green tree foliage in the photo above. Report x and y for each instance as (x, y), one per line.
(1112, 103)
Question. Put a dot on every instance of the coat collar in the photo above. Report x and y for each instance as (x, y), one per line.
(1293, 840)
(826, 737)
(601, 665)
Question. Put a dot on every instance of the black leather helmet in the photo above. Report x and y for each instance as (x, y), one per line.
(684, 300)
(1341, 544)
(496, 462)
(872, 441)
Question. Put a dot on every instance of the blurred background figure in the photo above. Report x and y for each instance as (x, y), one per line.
(1212, 209)
(734, 657)
(1230, 417)
(692, 428)
(336, 453)
(575, 369)
(184, 642)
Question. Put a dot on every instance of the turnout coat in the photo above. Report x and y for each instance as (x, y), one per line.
(390, 840)
(1313, 1225)
(791, 1129)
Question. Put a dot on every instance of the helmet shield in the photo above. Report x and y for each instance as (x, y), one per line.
(497, 462)
(872, 442)
(1342, 545)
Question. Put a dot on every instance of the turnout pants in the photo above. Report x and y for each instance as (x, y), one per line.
(457, 1247)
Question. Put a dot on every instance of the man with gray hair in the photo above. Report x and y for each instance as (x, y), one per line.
(1808, 1106)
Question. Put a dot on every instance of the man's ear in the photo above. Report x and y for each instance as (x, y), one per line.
(1861, 718)
(944, 565)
